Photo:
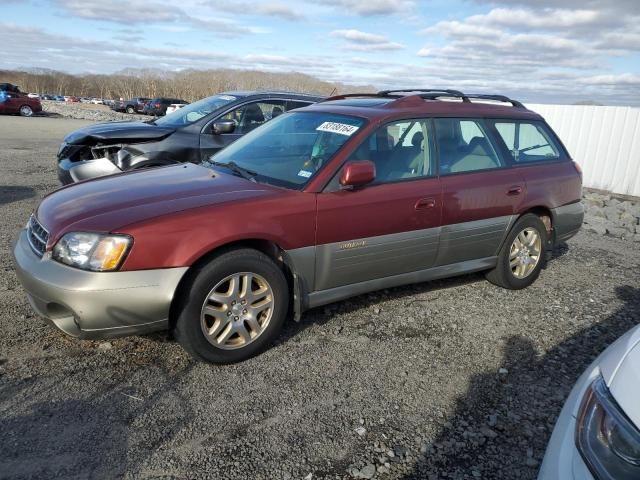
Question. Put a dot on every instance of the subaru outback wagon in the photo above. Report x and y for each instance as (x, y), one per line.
(353, 194)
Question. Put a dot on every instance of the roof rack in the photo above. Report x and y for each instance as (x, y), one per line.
(497, 98)
(352, 95)
(427, 93)
(430, 94)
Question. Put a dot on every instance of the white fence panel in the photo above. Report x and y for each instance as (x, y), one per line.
(605, 141)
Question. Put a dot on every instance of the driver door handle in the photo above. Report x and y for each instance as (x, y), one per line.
(425, 203)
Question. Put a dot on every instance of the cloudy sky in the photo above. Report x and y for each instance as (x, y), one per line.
(536, 50)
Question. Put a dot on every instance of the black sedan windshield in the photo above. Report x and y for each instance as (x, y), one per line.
(290, 149)
(194, 111)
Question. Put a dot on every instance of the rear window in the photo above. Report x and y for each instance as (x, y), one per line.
(529, 141)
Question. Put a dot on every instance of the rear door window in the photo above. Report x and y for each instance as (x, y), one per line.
(528, 141)
(464, 146)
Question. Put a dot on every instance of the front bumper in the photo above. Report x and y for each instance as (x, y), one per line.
(95, 304)
(70, 172)
(562, 460)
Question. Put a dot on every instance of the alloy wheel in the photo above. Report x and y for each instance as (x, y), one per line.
(237, 310)
(525, 253)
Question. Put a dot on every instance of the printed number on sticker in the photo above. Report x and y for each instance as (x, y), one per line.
(340, 128)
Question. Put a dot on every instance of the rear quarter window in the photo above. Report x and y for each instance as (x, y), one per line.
(529, 142)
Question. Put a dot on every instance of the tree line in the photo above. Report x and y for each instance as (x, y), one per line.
(188, 85)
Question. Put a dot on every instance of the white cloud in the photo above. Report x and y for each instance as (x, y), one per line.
(371, 7)
(275, 9)
(363, 41)
(144, 12)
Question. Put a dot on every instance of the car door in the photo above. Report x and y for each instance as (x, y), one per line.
(388, 227)
(481, 192)
(247, 116)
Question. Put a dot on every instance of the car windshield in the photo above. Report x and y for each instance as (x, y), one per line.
(194, 111)
(288, 150)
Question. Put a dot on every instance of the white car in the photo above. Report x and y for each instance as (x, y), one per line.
(97, 101)
(33, 95)
(597, 435)
(175, 106)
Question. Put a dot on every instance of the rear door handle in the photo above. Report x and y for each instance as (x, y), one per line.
(425, 203)
(515, 190)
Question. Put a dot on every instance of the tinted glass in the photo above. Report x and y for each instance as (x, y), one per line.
(290, 149)
(528, 141)
(400, 150)
(464, 146)
(195, 111)
(250, 116)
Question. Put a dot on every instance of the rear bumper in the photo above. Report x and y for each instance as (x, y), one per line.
(567, 220)
(70, 172)
(95, 304)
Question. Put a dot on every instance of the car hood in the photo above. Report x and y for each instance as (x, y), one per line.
(116, 132)
(624, 380)
(619, 365)
(110, 203)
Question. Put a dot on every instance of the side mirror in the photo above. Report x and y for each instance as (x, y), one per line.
(223, 126)
(358, 173)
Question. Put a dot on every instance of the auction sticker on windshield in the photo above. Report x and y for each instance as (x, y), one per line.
(340, 128)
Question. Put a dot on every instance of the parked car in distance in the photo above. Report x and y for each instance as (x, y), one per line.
(33, 95)
(191, 134)
(47, 97)
(158, 106)
(174, 106)
(13, 101)
(597, 435)
(97, 101)
(71, 99)
(133, 105)
(59, 98)
(343, 197)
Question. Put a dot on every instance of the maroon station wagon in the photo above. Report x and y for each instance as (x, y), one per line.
(353, 194)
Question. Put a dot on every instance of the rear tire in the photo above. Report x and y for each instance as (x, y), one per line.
(233, 307)
(522, 255)
(26, 111)
(130, 110)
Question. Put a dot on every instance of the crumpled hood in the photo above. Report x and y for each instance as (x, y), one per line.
(116, 132)
(108, 204)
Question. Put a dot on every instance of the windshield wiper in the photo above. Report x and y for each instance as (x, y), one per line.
(237, 169)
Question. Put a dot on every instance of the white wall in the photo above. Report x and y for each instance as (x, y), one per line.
(605, 141)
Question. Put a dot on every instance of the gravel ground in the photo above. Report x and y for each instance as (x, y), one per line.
(454, 379)
(87, 111)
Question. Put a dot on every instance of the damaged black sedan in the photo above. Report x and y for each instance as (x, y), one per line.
(191, 134)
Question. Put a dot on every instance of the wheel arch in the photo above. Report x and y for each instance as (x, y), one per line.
(268, 247)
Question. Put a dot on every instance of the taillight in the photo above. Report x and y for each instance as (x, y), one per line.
(577, 167)
(157, 105)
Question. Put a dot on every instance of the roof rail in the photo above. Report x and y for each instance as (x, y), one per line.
(427, 93)
(497, 98)
(350, 95)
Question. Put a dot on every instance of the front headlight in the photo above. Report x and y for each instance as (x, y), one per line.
(607, 440)
(91, 251)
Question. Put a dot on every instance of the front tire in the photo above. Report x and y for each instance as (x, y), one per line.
(26, 111)
(233, 307)
(130, 110)
(522, 255)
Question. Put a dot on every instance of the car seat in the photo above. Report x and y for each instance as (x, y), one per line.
(480, 156)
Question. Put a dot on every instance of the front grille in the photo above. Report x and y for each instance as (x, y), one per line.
(37, 236)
